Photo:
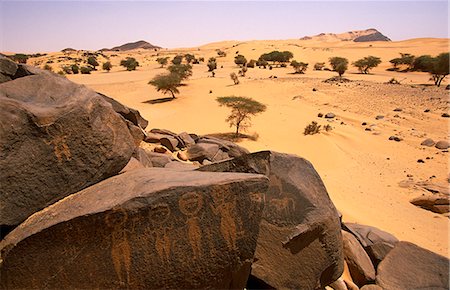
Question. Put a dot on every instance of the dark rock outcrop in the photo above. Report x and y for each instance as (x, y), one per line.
(409, 266)
(300, 243)
(376, 36)
(147, 228)
(57, 138)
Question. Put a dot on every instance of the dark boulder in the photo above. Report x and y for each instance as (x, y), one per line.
(442, 145)
(300, 242)
(144, 229)
(8, 69)
(428, 142)
(232, 149)
(57, 138)
(409, 266)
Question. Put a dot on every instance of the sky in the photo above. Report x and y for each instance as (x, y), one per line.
(44, 26)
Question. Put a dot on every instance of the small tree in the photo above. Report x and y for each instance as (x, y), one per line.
(319, 65)
(405, 59)
(423, 63)
(75, 69)
(129, 63)
(367, 63)
(235, 78)
(242, 109)
(212, 65)
(440, 68)
(240, 60)
(300, 67)
(168, 83)
(339, 64)
(85, 70)
(162, 61)
(183, 71)
(177, 59)
(189, 57)
(107, 66)
(93, 62)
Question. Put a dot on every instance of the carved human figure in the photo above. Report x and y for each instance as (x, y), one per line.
(120, 247)
(59, 142)
(224, 205)
(190, 204)
(159, 216)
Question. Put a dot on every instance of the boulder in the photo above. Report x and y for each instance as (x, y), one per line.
(300, 242)
(442, 145)
(57, 138)
(129, 114)
(409, 266)
(330, 115)
(232, 149)
(153, 137)
(187, 139)
(144, 229)
(8, 69)
(170, 143)
(133, 164)
(428, 142)
(201, 151)
(376, 243)
(434, 203)
(359, 263)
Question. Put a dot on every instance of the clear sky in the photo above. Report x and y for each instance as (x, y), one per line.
(40, 26)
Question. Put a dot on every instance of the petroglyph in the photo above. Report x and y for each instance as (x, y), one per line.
(159, 216)
(120, 247)
(190, 204)
(224, 206)
(283, 206)
(59, 142)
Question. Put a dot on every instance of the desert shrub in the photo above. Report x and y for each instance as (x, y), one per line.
(47, 67)
(235, 78)
(221, 53)
(312, 128)
(251, 63)
(189, 57)
(319, 66)
(67, 69)
(212, 64)
(107, 66)
(20, 57)
(242, 109)
(162, 61)
(93, 62)
(339, 64)
(242, 71)
(129, 63)
(183, 71)
(240, 60)
(327, 127)
(167, 83)
(75, 69)
(201, 59)
(61, 73)
(299, 67)
(177, 59)
(262, 63)
(85, 70)
(393, 81)
(367, 63)
(277, 56)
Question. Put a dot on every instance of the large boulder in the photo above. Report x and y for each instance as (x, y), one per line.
(359, 263)
(300, 243)
(144, 229)
(376, 243)
(57, 138)
(409, 266)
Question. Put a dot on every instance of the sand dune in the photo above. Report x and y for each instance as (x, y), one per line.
(361, 169)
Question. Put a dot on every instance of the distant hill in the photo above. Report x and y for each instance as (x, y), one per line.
(134, 45)
(356, 36)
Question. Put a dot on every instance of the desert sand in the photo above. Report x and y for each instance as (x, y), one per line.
(361, 169)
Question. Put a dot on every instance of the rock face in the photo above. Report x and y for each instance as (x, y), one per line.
(57, 138)
(409, 266)
(147, 228)
(359, 263)
(434, 203)
(300, 243)
(376, 242)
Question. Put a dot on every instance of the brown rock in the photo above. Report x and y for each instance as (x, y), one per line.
(147, 228)
(428, 142)
(232, 149)
(202, 151)
(153, 137)
(8, 69)
(182, 155)
(129, 114)
(442, 145)
(434, 203)
(57, 138)
(300, 242)
(176, 165)
(359, 263)
(409, 266)
(133, 164)
(170, 143)
(186, 138)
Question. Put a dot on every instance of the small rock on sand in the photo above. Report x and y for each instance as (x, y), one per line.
(428, 142)
(330, 115)
(443, 144)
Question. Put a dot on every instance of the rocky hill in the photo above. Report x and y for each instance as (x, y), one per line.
(141, 44)
(355, 35)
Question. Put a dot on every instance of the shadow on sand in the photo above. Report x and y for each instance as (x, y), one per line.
(158, 101)
(232, 136)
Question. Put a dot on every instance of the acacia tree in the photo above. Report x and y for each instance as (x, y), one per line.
(339, 64)
(439, 68)
(277, 56)
(367, 63)
(300, 67)
(130, 63)
(163, 60)
(183, 71)
(242, 109)
(107, 66)
(92, 61)
(168, 83)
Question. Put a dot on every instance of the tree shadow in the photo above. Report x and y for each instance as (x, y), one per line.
(158, 101)
(233, 138)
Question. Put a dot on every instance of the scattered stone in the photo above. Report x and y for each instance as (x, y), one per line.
(420, 161)
(363, 124)
(314, 90)
(395, 138)
(359, 263)
(428, 142)
(368, 129)
(409, 266)
(396, 116)
(320, 115)
(61, 137)
(379, 117)
(330, 115)
(398, 110)
(300, 243)
(147, 228)
(426, 111)
(434, 203)
(442, 145)
(445, 115)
